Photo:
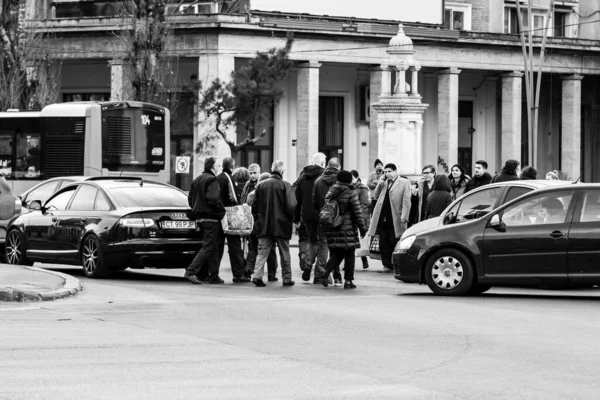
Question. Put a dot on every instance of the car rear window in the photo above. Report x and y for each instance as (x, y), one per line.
(149, 196)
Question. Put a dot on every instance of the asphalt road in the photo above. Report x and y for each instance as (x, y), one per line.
(153, 335)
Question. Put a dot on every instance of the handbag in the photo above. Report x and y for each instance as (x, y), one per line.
(374, 250)
(238, 220)
(364, 250)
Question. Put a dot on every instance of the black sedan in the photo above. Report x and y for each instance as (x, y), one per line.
(107, 224)
(546, 237)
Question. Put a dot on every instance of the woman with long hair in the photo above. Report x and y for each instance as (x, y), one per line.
(458, 181)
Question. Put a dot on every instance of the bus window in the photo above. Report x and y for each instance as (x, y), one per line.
(29, 155)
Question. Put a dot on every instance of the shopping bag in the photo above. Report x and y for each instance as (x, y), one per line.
(238, 220)
(364, 251)
(374, 251)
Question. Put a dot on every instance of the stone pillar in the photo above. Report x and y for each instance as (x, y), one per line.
(307, 131)
(120, 80)
(400, 89)
(448, 118)
(414, 76)
(386, 81)
(510, 130)
(375, 82)
(571, 125)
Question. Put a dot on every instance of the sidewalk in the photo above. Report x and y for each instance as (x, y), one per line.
(20, 283)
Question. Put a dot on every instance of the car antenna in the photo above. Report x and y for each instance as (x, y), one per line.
(141, 182)
(577, 181)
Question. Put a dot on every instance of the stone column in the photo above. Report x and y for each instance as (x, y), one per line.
(386, 81)
(511, 117)
(375, 82)
(120, 80)
(307, 140)
(448, 118)
(571, 125)
(414, 74)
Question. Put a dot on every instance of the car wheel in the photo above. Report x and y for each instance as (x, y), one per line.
(92, 258)
(14, 249)
(449, 272)
(477, 289)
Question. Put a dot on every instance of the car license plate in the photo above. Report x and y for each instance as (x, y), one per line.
(178, 224)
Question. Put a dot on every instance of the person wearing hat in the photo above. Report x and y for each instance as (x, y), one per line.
(343, 240)
(373, 181)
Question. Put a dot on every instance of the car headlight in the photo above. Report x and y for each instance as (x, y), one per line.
(407, 242)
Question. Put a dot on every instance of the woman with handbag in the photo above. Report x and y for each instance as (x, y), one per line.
(362, 191)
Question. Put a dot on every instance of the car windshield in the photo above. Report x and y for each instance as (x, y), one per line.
(149, 196)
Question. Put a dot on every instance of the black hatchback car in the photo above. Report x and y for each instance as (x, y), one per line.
(107, 224)
(546, 237)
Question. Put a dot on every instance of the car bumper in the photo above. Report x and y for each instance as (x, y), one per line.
(407, 265)
(159, 253)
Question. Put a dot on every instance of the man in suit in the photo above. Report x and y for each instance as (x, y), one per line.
(391, 212)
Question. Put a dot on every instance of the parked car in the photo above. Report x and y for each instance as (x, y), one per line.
(107, 224)
(43, 190)
(549, 236)
(480, 201)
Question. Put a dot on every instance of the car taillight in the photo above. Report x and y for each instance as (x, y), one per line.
(18, 206)
(137, 222)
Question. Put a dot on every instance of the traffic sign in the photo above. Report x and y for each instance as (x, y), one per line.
(182, 165)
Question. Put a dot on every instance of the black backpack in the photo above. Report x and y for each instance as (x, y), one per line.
(329, 216)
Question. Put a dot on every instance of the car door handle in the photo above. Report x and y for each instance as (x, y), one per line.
(557, 234)
(54, 219)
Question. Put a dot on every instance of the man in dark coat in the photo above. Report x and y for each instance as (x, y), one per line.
(321, 187)
(480, 176)
(343, 240)
(234, 242)
(510, 172)
(273, 210)
(309, 218)
(205, 200)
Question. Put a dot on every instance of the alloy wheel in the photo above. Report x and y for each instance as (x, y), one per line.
(90, 256)
(14, 247)
(447, 272)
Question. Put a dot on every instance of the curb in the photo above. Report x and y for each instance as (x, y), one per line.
(70, 287)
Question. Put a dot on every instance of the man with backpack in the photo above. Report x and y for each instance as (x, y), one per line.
(391, 213)
(321, 187)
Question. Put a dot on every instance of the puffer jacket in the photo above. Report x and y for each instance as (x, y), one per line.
(322, 186)
(345, 236)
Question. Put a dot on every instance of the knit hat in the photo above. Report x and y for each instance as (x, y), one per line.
(344, 176)
(378, 161)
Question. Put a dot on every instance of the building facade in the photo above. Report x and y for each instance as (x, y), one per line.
(471, 76)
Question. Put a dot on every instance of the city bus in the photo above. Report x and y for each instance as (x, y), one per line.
(90, 138)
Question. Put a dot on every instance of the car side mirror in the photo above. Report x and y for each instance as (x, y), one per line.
(449, 218)
(35, 205)
(497, 223)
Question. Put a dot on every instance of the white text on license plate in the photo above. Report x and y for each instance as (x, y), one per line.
(178, 224)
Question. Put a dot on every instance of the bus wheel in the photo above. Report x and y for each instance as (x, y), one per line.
(92, 258)
(14, 249)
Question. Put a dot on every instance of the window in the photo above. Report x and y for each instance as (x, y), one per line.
(69, 97)
(61, 200)
(149, 196)
(539, 210)
(590, 211)
(29, 156)
(478, 204)
(537, 20)
(102, 203)
(515, 192)
(42, 192)
(84, 199)
(457, 17)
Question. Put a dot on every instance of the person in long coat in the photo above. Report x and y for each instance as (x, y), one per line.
(343, 240)
(273, 211)
(391, 212)
(362, 191)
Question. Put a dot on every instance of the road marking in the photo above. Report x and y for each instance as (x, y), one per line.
(20, 308)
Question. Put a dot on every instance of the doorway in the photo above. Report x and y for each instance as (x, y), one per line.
(331, 126)
(465, 135)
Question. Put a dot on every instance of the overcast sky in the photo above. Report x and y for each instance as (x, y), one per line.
(427, 11)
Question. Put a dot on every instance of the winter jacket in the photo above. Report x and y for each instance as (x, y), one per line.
(477, 181)
(373, 181)
(239, 185)
(504, 178)
(273, 208)
(205, 197)
(248, 188)
(362, 191)
(305, 210)
(439, 198)
(228, 197)
(345, 236)
(322, 185)
(458, 187)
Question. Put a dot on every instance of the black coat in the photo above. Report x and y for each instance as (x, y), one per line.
(273, 208)
(305, 210)
(437, 201)
(477, 181)
(504, 178)
(205, 197)
(345, 236)
(362, 191)
(226, 194)
(322, 185)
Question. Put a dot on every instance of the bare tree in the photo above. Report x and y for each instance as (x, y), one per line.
(29, 74)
